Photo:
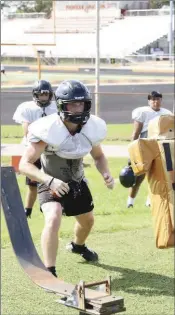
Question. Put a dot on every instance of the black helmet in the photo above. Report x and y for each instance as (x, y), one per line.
(41, 87)
(73, 91)
(154, 94)
(127, 177)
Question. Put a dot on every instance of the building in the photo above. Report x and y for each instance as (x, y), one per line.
(90, 5)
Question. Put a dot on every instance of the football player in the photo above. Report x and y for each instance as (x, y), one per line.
(61, 141)
(28, 112)
(141, 117)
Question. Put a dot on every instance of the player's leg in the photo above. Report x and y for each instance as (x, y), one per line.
(52, 210)
(81, 207)
(134, 190)
(83, 226)
(31, 194)
(49, 239)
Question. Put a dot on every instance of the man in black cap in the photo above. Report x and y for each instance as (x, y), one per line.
(142, 117)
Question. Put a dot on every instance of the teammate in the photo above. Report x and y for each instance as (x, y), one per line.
(141, 117)
(62, 140)
(25, 114)
(2, 69)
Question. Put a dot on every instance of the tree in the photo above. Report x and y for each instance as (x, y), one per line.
(4, 4)
(35, 6)
(43, 5)
(29, 6)
(157, 4)
(25, 6)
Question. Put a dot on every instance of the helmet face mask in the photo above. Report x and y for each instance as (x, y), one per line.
(69, 92)
(40, 89)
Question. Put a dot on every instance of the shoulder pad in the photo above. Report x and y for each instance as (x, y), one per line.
(21, 113)
(49, 129)
(29, 104)
(95, 130)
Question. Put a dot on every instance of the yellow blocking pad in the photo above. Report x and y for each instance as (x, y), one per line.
(155, 157)
(162, 127)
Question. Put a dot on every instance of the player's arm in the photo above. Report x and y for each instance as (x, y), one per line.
(101, 164)
(136, 130)
(25, 126)
(26, 166)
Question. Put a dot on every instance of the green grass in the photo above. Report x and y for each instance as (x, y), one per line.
(11, 131)
(116, 132)
(124, 240)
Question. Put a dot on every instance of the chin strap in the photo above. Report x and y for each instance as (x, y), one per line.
(44, 112)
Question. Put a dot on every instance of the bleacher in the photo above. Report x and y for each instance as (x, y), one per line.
(13, 30)
(133, 33)
(75, 36)
(74, 22)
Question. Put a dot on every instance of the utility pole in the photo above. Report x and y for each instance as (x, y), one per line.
(97, 59)
(54, 20)
(171, 37)
(39, 63)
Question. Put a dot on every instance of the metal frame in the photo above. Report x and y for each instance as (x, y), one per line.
(79, 296)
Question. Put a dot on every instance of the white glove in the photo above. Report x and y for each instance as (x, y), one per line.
(59, 187)
(109, 181)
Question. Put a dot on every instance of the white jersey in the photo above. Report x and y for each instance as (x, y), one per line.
(2, 67)
(52, 130)
(29, 112)
(146, 113)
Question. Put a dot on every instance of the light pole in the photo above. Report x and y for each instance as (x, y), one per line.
(39, 64)
(171, 42)
(40, 55)
(97, 59)
(54, 20)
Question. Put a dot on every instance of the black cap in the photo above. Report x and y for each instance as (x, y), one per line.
(154, 94)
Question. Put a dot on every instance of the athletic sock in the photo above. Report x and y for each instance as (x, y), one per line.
(130, 201)
(148, 202)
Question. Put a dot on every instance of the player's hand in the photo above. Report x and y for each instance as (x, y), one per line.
(109, 180)
(59, 187)
(28, 212)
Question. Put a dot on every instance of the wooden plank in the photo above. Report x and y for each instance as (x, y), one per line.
(106, 300)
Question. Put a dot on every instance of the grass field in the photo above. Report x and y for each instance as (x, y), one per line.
(124, 240)
(116, 132)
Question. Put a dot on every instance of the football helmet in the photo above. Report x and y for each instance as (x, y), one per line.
(42, 87)
(72, 91)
